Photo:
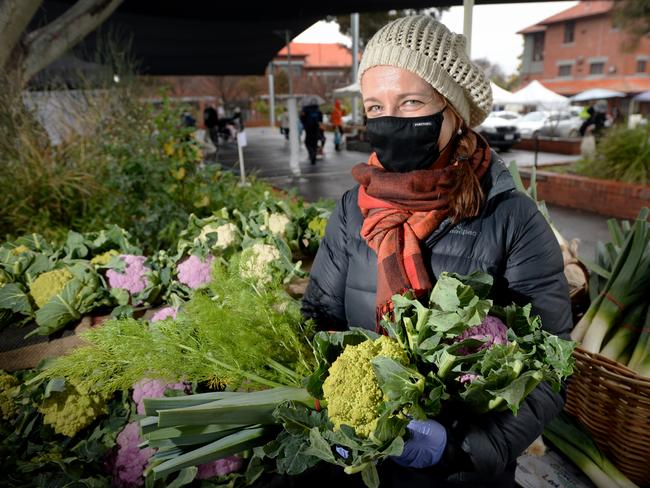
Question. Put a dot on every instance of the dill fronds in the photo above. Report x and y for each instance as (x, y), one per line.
(236, 332)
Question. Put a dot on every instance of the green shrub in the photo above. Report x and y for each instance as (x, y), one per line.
(623, 155)
(134, 165)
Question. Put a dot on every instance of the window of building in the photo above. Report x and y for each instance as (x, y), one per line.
(538, 46)
(569, 31)
(597, 68)
(564, 70)
(641, 65)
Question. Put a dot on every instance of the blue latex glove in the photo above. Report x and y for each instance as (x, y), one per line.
(425, 445)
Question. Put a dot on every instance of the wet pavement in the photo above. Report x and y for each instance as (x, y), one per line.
(267, 156)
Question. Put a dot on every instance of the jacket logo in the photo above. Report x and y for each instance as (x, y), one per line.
(419, 124)
(463, 231)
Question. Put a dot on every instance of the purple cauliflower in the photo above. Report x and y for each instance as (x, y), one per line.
(491, 331)
(129, 460)
(164, 313)
(133, 279)
(220, 467)
(194, 272)
(147, 388)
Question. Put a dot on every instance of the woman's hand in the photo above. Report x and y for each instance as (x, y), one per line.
(425, 445)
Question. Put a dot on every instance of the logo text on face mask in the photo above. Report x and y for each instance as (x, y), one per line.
(418, 124)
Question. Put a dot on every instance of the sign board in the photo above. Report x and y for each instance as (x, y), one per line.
(241, 139)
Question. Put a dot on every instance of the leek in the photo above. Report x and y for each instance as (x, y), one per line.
(640, 359)
(626, 333)
(628, 283)
(578, 446)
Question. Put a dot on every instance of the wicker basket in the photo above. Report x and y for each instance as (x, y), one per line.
(613, 402)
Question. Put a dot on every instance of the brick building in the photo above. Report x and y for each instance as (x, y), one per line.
(316, 68)
(581, 48)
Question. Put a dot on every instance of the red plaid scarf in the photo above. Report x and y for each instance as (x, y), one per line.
(400, 210)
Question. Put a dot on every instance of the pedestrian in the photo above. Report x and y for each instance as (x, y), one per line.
(435, 197)
(311, 118)
(211, 122)
(284, 123)
(336, 119)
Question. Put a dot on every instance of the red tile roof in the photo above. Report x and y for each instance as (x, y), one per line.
(583, 9)
(532, 29)
(625, 84)
(320, 55)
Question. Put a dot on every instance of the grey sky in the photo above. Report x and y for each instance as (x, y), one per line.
(493, 31)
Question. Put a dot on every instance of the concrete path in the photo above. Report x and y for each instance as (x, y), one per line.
(267, 156)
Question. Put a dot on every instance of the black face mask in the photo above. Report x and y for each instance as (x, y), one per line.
(405, 144)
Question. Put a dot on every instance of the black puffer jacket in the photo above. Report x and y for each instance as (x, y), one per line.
(510, 240)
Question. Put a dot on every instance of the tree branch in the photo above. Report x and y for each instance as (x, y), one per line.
(46, 44)
(14, 19)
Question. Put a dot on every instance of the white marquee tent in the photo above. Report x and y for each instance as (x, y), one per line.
(501, 96)
(537, 94)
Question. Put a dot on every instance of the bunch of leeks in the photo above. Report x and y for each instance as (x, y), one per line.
(617, 323)
(568, 436)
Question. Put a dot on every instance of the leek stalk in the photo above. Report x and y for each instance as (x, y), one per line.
(629, 282)
(578, 446)
(626, 333)
(640, 359)
(253, 408)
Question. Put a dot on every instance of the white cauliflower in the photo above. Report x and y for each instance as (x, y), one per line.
(278, 223)
(257, 261)
(226, 235)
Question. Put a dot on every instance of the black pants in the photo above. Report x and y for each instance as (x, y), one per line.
(311, 143)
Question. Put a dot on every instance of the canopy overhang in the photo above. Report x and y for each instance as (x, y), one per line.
(197, 37)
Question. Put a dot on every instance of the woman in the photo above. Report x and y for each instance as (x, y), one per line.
(433, 197)
(336, 119)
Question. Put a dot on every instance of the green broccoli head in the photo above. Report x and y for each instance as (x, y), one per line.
(104, 258)
(8, 408)
(352, 391)
(49, 284)
(71, 410)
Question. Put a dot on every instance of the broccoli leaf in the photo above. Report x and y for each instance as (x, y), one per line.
(327, 347)
(401, 385)
(80, 295)
(14, 298)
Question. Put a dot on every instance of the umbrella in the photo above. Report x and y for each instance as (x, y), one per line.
(596, 94)
(537, 94)
(642, 97)
(311, 100)
(352, 89)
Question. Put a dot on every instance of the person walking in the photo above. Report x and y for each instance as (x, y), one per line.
(311, 119)
(435, 197)
(336, 120)
(284, 123)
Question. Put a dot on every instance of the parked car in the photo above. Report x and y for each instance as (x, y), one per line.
(500, 132)
(563, 123)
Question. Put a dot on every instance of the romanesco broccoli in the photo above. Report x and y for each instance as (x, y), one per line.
(71, 410)
(104, 258)
(49, 284)
(18, 250)
(8, 407)
(352, 390)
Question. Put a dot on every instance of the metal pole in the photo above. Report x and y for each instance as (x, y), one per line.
(467, 24)
(287, 38)
(294, 141)
(271, 97)
(354, 21)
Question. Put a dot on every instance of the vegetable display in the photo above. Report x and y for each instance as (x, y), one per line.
(450, 352)
(617, 323)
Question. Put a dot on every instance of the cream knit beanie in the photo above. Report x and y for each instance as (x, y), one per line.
(426, 47)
